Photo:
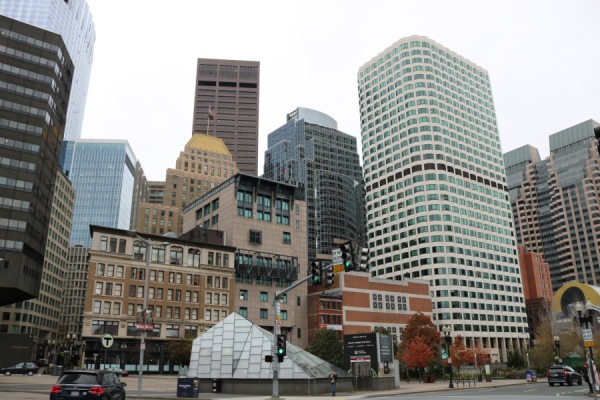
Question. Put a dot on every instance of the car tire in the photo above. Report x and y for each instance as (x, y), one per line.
(7, 373)
(562, 384)
(551, 383)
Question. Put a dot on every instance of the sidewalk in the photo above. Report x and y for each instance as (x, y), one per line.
(165, 387)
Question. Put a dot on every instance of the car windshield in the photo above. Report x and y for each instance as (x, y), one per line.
(79, 379)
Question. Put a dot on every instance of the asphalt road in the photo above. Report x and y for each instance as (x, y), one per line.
(529, 392)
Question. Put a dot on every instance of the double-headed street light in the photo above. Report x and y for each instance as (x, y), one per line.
(587, 319)
(447, 329)
(149, 246)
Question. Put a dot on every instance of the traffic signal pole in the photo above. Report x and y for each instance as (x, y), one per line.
(277, 327)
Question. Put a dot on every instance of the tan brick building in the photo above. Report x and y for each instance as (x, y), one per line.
(357, 303)
(266, 222)
(201, 166)
(190, 290)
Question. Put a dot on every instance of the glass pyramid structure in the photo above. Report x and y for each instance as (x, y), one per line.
(236, 348)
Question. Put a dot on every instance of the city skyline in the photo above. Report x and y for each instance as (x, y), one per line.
(313, 58)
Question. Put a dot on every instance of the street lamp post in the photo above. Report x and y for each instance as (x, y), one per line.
(447, 329)
(557, 347)
(149, 245)
(71, 339)
(123, 348)
(585, 319)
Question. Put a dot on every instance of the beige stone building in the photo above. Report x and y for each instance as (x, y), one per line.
(201, 166)
(266, 222)
(190, 287)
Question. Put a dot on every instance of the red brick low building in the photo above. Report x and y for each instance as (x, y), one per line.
(358, 303)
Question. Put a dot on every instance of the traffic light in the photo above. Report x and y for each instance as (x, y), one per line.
(346, 249)
(281, 343)
(316, 272)
(329, 277)
(363, 264)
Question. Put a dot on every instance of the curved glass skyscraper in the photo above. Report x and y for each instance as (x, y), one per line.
(73, 21)
(437, 201)
(309, 151)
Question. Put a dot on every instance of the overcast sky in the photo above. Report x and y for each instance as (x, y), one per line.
(543, 58)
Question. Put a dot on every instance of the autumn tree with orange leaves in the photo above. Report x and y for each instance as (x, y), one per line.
(417, 354)
(460, 354)
(420, 325)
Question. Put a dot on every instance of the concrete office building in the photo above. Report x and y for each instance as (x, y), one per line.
(309, 151)
(71, 20)
(555, 202)
(74, 291)
(437, 202)
(190, 290)
(270, 251)
(232, 88)
(204, 164)
(103, 173)
(35, 85)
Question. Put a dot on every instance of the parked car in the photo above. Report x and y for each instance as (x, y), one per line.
(118, 371)
(84, 384)
(21, 368)
(563, 374)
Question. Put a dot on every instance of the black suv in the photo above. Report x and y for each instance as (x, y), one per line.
(88, 384)
(563, 374)
(21, 368)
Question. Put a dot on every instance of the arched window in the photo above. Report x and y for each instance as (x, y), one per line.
(193, 258)
(176, 255)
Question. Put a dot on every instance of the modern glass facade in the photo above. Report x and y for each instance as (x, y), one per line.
(35, 81)
(310, 152)
(102, 173)
(555, 202)
(437, 202)
(73, 21)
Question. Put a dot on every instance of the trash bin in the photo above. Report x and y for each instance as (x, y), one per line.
(216, 386)
(479, 378)
(188, 387)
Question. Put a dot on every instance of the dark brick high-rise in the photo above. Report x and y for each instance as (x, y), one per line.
(232, 88)
(35, 83)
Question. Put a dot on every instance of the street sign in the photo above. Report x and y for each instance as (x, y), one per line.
(107, 340)
(336, 255)
(338, 268)
(588, 337)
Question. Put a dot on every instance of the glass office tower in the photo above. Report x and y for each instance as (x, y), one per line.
(437, 200)
(73, 21)
(309, 151)
(102, 172)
